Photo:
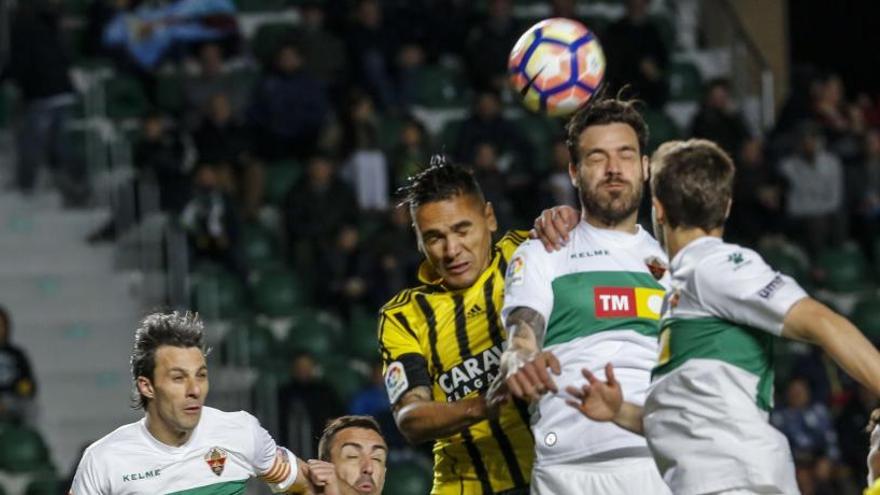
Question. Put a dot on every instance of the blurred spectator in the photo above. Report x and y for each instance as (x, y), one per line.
(305, 404)
(223, 141)
(850, 425)
(323, 51)
(212, 223)
(288, 109)
(488, 45)
(372, 400)
(637, 55)
(39, 67)
(807, 424)
(757, 196)
(815, 193)
(411, 153)
(17, 383)
(366, 167)
(347, 272)
(557, 184)
(212, 79)
(842, 124)
(315, 209)
(718, 119)
(392, 249)
(864, 192)
(487, 125)
(493, 183)
(372, 47)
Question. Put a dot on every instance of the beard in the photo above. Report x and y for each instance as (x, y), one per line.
(611, 207)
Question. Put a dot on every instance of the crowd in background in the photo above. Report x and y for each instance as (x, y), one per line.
(318, 103)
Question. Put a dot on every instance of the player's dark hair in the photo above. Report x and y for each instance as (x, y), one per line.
(605, 111)
(693, 180)
(158, 329)
(334, 426)
(441, 180)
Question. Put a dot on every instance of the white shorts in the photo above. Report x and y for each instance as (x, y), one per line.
(624, 476)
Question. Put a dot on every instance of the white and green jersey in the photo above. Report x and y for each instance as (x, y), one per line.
(601, 304)
(706, 414)
(224, 451)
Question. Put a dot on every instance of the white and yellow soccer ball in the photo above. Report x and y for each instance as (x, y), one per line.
(556, 66)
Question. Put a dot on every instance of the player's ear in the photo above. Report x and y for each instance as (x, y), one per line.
(145, 387)
(572, 174)
(727, 211)
(659, 211)
(489, 213)
(646, 167)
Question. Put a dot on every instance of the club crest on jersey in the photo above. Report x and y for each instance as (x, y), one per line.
(656, 266)
(515, 271)
(216, 459)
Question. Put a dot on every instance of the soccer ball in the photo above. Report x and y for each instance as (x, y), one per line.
(556, 66)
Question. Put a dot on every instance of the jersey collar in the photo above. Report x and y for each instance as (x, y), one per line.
(679, 258)
(427, 274)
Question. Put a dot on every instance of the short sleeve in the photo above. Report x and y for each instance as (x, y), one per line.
(528, 281)
(404, 364)
(87, 479)
(739, 286)
(275, 465)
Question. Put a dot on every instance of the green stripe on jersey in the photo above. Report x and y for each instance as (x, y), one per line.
(742, 346)
(575, 312)
(226, 488)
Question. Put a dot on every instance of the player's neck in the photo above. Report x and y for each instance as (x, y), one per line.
(628, 224)
(678, 238)
(165, 433)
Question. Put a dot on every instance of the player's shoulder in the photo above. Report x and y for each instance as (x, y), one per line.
(402, 299)
(511, 240)
(212, 417)
(122, 439)
(723, 262)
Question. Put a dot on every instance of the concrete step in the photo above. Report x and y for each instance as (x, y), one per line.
(54, 258)
(88, 290)
(78, 346)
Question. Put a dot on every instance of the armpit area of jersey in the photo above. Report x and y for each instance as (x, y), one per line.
(406, 372)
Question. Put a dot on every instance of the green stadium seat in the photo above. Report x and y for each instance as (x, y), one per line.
(269, 37)
(315, 332)
(169, 93)
(540, 133)
(217, 293)
(667, 30)
(661, 128)
(788, 263)
(685, 82)
(278, 293)
(125, 97)
(362, 335)
(389, 132)
(248, 343)
(260, 247)
(280, 178)
(440, 87)
(344, 379)
(22, 449)
(844, 269)
(449, 135)
(43, 483)
(407, 478)
(866, 316)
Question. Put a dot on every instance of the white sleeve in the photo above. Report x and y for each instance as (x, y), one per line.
(87, 480)
(276, 465)
(528, 282)
(739, 286)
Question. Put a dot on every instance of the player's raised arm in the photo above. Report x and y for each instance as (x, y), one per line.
(811, 321)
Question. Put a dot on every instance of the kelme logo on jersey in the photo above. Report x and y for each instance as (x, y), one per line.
(628, 302)
(473, 374)
(216, 459)
(146, 475)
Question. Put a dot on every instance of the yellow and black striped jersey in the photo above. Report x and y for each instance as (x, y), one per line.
(451, 341)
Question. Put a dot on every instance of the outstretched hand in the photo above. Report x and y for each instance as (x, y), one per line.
(597, 400)
(553, 226)
(526, 375)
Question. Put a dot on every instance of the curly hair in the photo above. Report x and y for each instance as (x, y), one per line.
(440, 180)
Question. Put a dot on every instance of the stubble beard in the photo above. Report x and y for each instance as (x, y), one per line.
(611, 208)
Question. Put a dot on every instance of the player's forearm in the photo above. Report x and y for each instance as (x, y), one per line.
(428, 420)
(813, 322)
(630, 418)
(525, 329)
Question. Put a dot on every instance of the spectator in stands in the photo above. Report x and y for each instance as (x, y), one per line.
(223, 141)
(637, 55)
(493, 182)
(411, 152)
(288, 109)
(372, 400)
(366, 167)
(718, 119)
(372, 48)
(487, 125)
(324, 52)
(556, 185)
(488, 45)
(863, 189)
(38, 65)
(304, 406)
(17, 383)
(348, 273)
(814, 201)
(757, 196)
(807, 424)
(315, 209)
(212, 222)
(398, 263)
(212, 79)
